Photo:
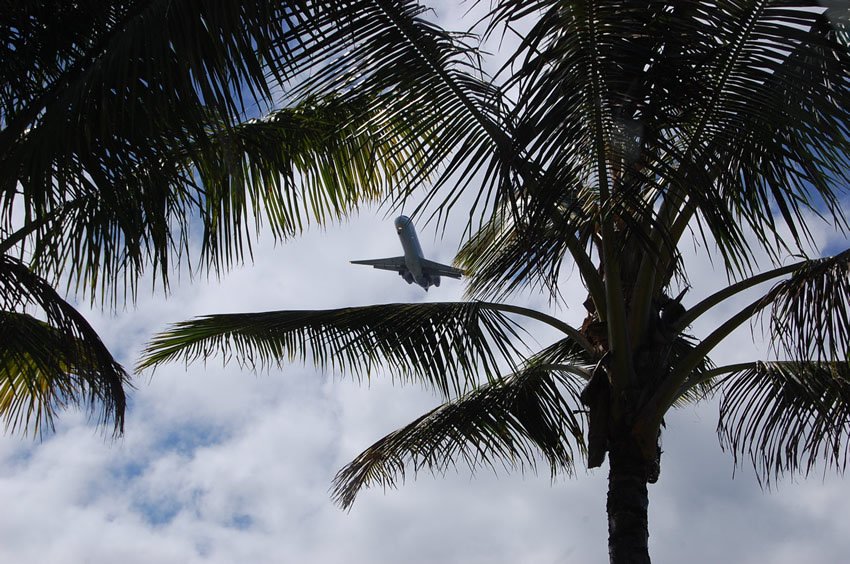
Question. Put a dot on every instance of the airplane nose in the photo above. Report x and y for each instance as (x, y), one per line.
(400, 222)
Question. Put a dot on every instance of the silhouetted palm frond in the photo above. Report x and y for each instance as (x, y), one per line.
(430, 72)
(447, 346)
(131, 120)
(503, 257)
(48, 365)
(507, 422)
(810, 312)
(787, 416)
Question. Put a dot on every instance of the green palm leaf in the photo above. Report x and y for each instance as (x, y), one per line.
(725, 112)
(469, 130)
(445, 345)
(313, 162)
(503, 257)
(787, 416)
(109, 182)
(429, 71)
(506, 422)
(48, 365)
(138, 55)
(568, 354)
(43, 371)
(590, 102)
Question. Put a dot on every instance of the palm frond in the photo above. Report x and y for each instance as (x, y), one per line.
(159, 71)
(43, 371)
(503, 257)
(769, 142)
(427, 70)
(733, 113)
(810, 311)
(48, 365)
(580, 64)
(136, 54)
(787, 416)
(566, 352)
(107, 85)
(109, 182)
(809, 317)
(314, 162)
(447, 346)
(594, 97)
(507, 422)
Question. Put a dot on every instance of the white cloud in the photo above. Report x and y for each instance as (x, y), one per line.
(219, 465)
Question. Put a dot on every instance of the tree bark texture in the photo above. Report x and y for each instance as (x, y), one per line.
(628, 502)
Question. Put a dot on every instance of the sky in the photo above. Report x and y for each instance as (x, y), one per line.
(222, 465)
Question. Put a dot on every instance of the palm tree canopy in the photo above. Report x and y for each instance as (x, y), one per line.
(612, 131)
(126, 128)
(179, 110)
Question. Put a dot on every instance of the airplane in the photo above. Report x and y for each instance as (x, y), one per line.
(413, 266)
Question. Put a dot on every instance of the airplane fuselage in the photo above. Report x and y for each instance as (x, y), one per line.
(413, 253)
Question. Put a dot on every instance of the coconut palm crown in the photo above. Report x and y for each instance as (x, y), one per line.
(615, 133)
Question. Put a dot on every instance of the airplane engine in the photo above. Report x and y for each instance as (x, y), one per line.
(435, 280)
(408, 277)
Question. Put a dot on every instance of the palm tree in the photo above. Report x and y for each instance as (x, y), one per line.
(124, 128)
(616, 133)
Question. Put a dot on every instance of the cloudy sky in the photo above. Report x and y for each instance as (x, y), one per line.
(220, 465)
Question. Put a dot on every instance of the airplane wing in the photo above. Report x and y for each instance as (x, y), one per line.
(443, 270)
(396, 264)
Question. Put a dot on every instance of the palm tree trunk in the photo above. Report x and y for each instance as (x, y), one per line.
(628, 533)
